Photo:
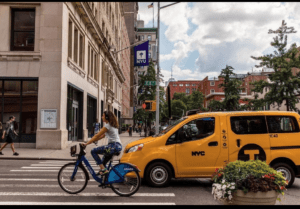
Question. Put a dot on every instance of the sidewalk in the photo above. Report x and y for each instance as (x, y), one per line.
(64, 154)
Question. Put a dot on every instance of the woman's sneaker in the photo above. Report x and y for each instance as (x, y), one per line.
(16, 153)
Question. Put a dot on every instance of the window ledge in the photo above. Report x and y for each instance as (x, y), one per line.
(20, 56)
(76, 68)
(92, 81)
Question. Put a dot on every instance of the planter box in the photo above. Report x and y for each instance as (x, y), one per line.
(251, 198)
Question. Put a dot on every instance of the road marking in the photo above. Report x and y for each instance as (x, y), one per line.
(82, 194)
(38, 185)
(27, 174)
(14, 179)
(86, 203)
(34, 170)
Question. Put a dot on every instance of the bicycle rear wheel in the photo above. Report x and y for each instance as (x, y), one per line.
(131, 184)
(77, 184)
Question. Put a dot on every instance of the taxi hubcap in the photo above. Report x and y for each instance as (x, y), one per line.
(159, 175)
(285, 172)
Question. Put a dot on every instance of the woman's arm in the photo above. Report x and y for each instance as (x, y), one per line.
(97, 137)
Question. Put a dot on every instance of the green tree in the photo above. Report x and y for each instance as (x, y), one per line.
(178, 108)
(283, 84)
(148, 93)
(180, 96)
(195, 101)
(215, 105)
(254, 104)
(232, 87)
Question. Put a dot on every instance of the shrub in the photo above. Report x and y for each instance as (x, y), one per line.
(253, 175)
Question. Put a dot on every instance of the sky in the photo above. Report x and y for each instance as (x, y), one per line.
(198, 39)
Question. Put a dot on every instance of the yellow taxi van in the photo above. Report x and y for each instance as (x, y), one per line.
(194, 146)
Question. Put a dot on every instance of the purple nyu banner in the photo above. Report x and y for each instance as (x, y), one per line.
(141, 54)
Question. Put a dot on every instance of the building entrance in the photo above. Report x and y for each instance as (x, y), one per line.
(75, 113)
(75, 121)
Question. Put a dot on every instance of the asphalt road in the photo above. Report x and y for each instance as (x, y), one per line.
(35, 182)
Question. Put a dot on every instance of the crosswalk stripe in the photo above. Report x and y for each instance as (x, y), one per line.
(40, 185)
(83, 194)
(86, 203)
(34, 170)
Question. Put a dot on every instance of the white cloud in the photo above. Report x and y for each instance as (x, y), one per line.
(225, 33)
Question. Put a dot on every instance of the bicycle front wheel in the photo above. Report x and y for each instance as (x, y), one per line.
(129, 186)
(72, 186)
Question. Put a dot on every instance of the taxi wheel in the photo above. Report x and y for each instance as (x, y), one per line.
(286, 171)
(158, 174)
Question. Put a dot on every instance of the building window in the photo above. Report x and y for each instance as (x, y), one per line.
(193, 84)
(187, 91)
(212, 91)
(76, 46)
(93, 70)
(149, 38)
(142, 37)
(149, 47)
(174, 84)
(22, 29)
(181, 84)
(193, 89)
(212, 83)
(187, 84)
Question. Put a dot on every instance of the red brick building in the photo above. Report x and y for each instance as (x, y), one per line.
(183, 86)
(211, 90)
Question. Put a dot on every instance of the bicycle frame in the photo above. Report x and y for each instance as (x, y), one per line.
(92, 172)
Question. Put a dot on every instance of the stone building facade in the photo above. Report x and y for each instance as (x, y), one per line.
(130, 14)
(58, 69)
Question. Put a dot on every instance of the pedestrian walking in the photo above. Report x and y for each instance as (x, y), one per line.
(140, 128)
(130, 130)
(9, 134)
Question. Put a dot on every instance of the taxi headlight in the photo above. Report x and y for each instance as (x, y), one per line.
(135, 148)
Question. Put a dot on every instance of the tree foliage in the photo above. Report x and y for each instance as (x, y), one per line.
(283, 83)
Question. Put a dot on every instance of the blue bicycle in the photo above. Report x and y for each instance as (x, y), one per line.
(123, 178)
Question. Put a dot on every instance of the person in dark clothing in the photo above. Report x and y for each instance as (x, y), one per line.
(130, 130)
(9, 133)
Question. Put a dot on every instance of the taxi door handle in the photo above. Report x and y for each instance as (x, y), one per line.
(238, 142)
(213, 144)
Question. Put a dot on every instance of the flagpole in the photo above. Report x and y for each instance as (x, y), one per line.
(153, 15)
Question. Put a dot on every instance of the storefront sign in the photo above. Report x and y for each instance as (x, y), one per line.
(141, 54)
(49, 118)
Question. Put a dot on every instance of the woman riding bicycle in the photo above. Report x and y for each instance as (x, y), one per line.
(110, 130)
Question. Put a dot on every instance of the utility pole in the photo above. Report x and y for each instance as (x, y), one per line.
(157, 75)
(158, 69)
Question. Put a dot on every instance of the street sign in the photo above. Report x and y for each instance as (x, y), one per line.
(150, 83)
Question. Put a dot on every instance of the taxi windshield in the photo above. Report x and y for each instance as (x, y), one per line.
(162, 132)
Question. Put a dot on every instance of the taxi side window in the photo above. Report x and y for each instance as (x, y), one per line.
(248, 125)
(282, 124)
(172, 139)
(197, 129)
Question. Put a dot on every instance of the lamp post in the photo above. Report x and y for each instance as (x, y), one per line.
(158, 71)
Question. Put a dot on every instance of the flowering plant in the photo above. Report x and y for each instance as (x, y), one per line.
(249, 176)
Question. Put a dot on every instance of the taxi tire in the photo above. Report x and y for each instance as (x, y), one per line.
(160, 169)
(288, 168)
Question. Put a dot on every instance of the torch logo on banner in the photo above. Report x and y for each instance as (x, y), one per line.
(141, 56)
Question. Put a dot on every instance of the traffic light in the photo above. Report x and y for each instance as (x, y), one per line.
(149, 105)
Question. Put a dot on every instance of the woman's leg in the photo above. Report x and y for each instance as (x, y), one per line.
(95, 153)
(13, 147)
(4, 145)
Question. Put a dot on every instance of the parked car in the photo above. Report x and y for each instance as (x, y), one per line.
(194, 146)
